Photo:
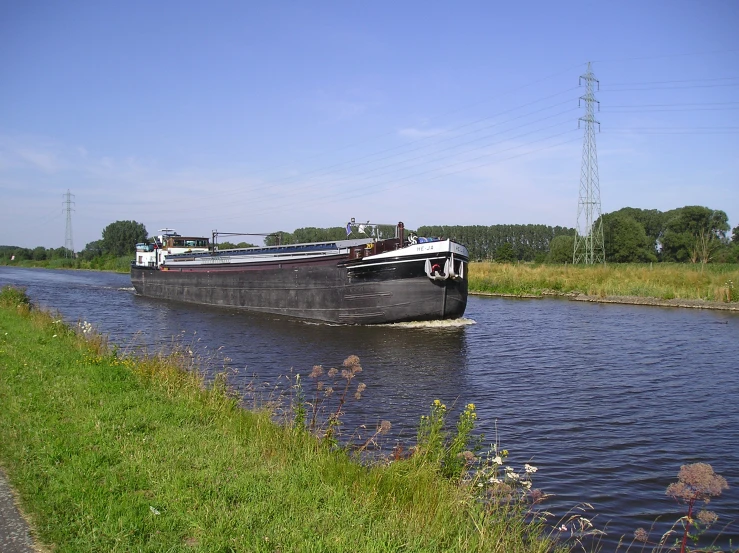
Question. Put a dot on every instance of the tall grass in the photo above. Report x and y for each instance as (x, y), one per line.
(713, 282)
(114, 453)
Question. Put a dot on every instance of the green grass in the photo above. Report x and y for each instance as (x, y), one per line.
(712, 282)
(110, 453)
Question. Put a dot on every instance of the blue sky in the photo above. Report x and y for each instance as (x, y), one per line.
(263, 116)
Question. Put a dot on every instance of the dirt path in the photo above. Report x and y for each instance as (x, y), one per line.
(15, 535)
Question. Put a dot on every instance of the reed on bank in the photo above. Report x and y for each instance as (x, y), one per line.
(115, 453)
(711, 282)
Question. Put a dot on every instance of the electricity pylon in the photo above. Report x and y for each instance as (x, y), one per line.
(68, 242)
(589, 247)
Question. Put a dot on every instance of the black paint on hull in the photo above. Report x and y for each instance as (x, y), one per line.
(323, 290)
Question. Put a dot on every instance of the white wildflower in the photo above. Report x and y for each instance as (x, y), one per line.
(154, 511)
(530, 469)
(498, 460)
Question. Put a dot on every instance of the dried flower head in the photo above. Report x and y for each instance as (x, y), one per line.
(697, 481)
(333, 372)
(361, 387)
(385, 427)
(351, 361)
(640, 534)
(536, 495)
(468, 457)
(706, 517)
(317, 371)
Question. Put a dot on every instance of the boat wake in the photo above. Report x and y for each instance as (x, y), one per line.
(442, 323)
(126, 289)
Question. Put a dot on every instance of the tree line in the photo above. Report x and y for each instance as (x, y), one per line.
(690, 234)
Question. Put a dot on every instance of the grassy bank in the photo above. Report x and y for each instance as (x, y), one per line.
(109, 453)
(712, 282)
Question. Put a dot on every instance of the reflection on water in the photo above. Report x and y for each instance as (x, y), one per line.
(607, 400)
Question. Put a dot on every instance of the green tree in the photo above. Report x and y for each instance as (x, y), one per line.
(39, 253)
(561, 248)
(120, 238)
(735, 235)
(92, 250)
(505, 253)
(693, 233)
(625, 240)
(279, 237)
(232, 246)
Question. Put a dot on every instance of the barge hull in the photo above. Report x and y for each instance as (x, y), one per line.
(325, 290)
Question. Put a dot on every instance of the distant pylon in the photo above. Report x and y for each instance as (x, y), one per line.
(589, 247)
(68, 242)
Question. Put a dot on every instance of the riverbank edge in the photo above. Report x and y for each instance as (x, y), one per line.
(626, 300)
(44, 348)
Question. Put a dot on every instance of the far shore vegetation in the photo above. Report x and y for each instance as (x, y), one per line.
(685, 253)
(714, 282)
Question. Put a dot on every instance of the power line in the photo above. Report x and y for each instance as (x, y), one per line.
(726, 85)
(701, 80)
(666, 56)
(347, 164)
(351, 194)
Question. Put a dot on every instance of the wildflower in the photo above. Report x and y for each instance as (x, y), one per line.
(530, 469)
(706, 517)
(317, 371)
(385, 427)
(640, 534)
(470, 406)
(562, 528)
(333, 372)
(697, 482)
(498, 460)
(494, 480)
(536, 495)
(351, 361)
(468, 456)
(437, 403)
(154, 511)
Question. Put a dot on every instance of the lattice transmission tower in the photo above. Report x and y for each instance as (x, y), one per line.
(589, 247)
(68, 242)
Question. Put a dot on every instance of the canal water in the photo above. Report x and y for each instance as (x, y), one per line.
(608, 401)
